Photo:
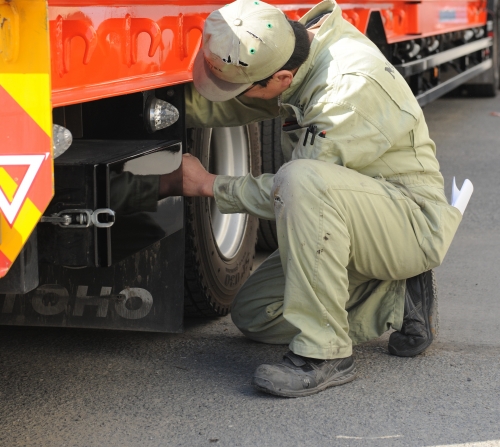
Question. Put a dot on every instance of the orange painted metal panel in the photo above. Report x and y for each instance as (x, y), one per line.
(408, 20)
(26, 174)
(108, 49)
(101, 51)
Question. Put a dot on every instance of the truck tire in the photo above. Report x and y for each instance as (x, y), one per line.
(272, 159)
(220, 248)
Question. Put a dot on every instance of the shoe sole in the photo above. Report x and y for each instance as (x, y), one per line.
(432, 321)
(347, 376)
(434, 313)
(413, 353)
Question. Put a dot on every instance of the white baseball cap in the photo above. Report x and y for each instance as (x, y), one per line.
(244, 42)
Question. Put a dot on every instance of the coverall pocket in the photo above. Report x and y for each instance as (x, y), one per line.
(319, 148)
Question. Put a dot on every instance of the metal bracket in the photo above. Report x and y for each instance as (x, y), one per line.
(111, 217)
(80, 218)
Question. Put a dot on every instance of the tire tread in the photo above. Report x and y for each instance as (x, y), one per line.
(272, 160)
(200, 298)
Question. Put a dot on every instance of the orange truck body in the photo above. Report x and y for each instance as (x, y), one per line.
(109, 50)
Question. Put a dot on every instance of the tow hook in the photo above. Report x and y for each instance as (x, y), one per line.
(80, 218)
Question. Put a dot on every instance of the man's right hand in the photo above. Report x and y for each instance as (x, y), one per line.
(196, 180)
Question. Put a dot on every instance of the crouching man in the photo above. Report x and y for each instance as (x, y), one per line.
(360, 210)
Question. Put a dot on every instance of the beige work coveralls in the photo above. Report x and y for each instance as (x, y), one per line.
(357, 211)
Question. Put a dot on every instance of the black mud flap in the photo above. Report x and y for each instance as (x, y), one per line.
(144, 292)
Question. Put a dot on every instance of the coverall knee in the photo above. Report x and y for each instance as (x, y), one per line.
(347, 242)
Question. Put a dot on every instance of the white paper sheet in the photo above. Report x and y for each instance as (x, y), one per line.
(460, 197)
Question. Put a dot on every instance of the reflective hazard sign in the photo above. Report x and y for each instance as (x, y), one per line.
(26, 172)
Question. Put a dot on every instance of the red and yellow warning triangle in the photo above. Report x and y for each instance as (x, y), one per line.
(26, 171)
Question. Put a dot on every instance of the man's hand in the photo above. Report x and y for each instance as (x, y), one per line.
(196, 181)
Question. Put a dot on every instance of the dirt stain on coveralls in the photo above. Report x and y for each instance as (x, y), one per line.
(223, 188)
(278, 202)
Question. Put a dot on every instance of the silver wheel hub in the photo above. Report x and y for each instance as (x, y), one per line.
(229, 155)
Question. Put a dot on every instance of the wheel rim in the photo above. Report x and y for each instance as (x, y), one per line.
(229, 155)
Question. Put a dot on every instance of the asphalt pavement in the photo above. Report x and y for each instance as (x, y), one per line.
(61, 387)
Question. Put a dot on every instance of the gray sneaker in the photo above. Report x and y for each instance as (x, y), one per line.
(420, 321)
(297, 376)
